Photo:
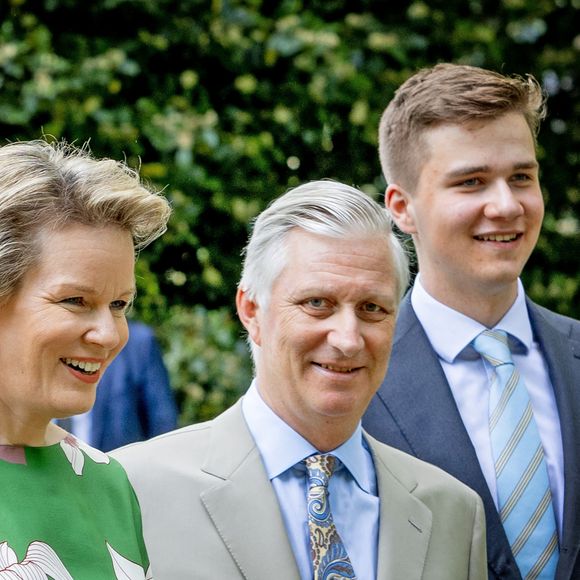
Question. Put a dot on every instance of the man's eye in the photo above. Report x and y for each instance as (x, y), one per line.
(372, 312)
(472, 182)
(316, 302)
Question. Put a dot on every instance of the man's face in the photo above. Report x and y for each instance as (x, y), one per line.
(326, 335)
(477, 211)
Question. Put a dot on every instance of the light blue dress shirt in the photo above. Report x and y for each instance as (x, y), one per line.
(450, 334)
(352, 490)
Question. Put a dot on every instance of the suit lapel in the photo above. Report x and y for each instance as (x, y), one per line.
(404, 524)
(562, 355)
(418, 396)
(430, 421)
(243, 505)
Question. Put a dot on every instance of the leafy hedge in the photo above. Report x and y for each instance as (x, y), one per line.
(227, 103)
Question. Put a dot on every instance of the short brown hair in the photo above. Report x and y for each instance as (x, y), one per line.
(454, 94)
(50, 185)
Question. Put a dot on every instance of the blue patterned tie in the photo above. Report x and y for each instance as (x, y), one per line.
(329, 557)
(524, 497)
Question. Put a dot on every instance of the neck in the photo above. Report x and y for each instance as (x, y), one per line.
(485, 305)
(328, 437)
(15, 431)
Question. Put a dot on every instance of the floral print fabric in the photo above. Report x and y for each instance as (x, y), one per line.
(67, 511)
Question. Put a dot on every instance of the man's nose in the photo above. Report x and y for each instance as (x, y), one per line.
(503, 203)
(345, 334)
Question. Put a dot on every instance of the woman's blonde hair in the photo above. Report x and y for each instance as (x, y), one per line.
(48, 185)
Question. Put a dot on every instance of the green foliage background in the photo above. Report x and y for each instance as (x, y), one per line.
(227, 103)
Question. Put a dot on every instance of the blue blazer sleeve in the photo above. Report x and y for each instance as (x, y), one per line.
(134, 398)
(158, 408)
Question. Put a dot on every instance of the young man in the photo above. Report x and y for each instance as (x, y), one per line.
(285, 484)
(457, 147)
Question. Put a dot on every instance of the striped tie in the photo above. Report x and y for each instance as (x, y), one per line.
(524, 497)
(329, 557)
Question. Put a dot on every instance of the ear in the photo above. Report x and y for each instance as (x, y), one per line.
(400, 205)
(248, 313)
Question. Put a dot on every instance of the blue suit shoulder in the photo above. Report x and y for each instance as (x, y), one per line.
(569, 326)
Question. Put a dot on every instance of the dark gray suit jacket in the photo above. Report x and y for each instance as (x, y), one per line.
(414, 410)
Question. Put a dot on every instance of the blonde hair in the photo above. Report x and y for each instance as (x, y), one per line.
(50, 185)
(453, 94)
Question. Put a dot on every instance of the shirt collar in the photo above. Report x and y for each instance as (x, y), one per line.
(282, 448)
(450, 331)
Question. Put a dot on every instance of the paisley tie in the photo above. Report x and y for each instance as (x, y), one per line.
(329, 557)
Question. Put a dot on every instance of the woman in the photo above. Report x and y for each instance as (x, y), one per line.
(69, 229)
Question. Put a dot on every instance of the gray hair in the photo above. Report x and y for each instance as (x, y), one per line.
(327, 208)
(50, 185)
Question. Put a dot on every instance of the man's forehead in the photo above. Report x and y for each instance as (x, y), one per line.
(322, 263)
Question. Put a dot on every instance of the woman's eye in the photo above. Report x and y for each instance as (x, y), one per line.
(119, 305)
(74, 300)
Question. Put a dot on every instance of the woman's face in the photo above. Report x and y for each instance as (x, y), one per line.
(65, 323)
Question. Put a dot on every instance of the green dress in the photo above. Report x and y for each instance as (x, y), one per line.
(68, 511)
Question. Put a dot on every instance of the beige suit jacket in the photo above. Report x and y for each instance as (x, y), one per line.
(210, 512)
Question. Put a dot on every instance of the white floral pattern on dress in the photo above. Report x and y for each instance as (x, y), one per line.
(40, 563)
(75, 451)
(127, 570)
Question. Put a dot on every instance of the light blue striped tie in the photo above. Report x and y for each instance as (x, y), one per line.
(524, 497)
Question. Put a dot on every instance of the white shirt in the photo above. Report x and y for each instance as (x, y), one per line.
(352, 488)
(450, 334)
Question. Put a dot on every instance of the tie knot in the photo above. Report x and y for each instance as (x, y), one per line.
(493, 346)
(320, 467)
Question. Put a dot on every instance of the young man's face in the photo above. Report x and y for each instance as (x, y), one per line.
(476, 213)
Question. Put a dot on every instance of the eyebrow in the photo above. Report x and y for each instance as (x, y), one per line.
(66, 287)
(470, 169)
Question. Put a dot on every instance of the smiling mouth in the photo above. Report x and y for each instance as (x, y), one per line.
(498, 237)
(337, 369)
(84, 367)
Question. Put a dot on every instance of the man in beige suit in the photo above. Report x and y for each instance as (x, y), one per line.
(285, 484)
